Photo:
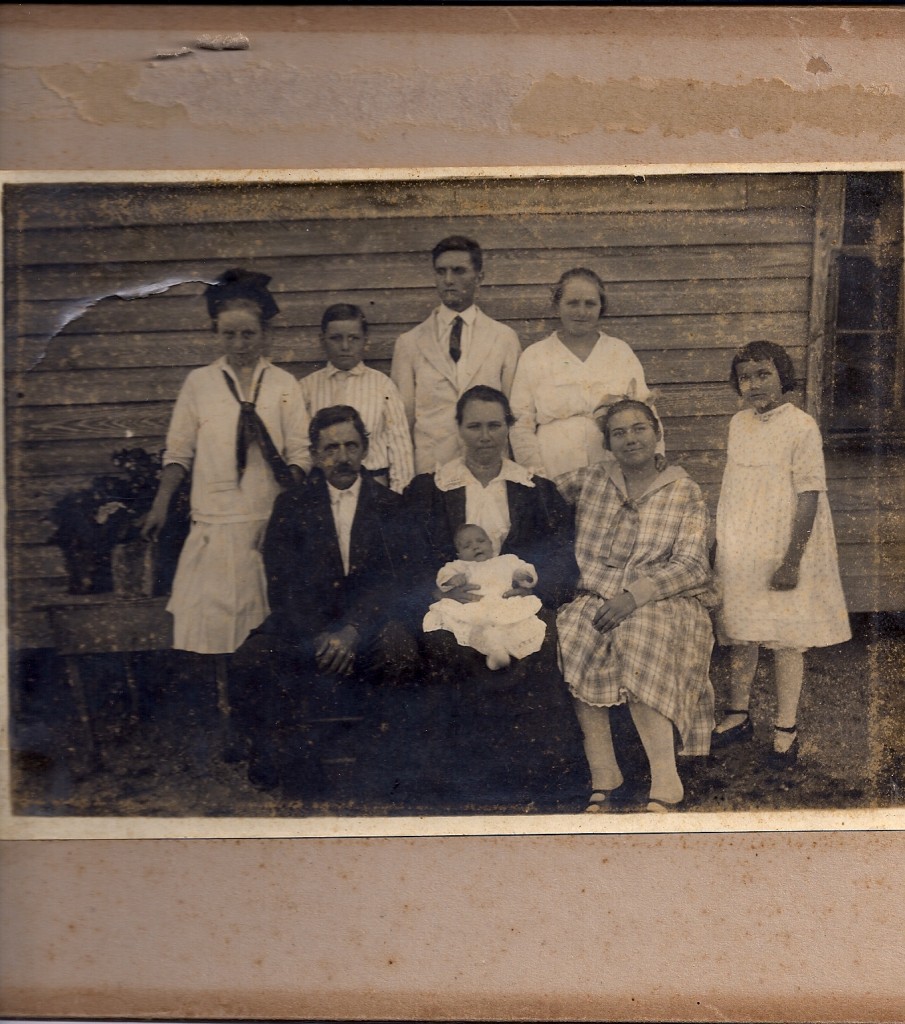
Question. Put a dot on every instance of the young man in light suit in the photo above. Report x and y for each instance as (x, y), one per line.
(456, 347)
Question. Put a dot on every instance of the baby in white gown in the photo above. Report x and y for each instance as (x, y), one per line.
(499, 627)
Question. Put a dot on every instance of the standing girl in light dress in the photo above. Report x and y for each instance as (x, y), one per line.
(240, 429)
(566, 382)
(776, 552)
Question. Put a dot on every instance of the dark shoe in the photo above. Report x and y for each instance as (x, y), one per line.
(741, 733)
(781, 760)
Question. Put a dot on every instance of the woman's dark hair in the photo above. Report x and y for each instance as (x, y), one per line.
(760, 351)
(330, 416)
(624, 406)
(484, 393)
(343, 311)
(239, 285)
(583, 273)
(459, 243)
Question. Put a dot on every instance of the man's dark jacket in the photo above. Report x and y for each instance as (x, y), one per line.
(306, 587)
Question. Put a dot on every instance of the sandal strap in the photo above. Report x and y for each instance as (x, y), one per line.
(737, 711)
(786, 728)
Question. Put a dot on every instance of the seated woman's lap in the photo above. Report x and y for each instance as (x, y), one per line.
(506, 735)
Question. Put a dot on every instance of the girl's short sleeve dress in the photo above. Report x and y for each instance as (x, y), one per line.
(771, 459)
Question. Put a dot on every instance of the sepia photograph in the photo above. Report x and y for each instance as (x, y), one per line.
(430, 503)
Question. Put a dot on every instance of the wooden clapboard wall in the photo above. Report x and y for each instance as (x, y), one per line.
(696, 265)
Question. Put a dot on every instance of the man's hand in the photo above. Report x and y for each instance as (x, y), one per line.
(612, 612)
(335, 652)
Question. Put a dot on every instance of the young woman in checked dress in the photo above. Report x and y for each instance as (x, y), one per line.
(638, 631)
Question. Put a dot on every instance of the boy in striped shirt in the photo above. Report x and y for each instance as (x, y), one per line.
(345, 380)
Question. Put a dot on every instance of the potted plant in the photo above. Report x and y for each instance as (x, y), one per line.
(98, 529)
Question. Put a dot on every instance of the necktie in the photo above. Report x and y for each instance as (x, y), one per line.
(455, 339)
(251, 429)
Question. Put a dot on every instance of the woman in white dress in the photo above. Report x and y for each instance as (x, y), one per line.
(566, 382)
(240, 428)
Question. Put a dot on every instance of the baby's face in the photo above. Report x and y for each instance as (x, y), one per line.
(473, 545)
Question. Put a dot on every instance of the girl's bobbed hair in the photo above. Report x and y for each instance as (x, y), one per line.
(761, 351)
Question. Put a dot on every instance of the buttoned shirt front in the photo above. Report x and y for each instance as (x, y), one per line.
(379, 404)
(343, 504)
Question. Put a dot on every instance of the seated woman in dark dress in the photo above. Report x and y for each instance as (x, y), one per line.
(496, 738)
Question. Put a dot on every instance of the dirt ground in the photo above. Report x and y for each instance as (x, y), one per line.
(167, 760)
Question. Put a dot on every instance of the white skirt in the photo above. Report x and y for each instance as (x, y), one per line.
(220, 590)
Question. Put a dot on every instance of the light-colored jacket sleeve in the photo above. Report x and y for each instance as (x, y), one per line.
(296, 443)
(399, 440)
(402, 374)
(523, 435)
(510, 363)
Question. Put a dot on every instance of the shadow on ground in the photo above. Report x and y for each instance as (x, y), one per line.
(166, 761)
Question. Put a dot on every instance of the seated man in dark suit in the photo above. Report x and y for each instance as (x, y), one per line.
(338, 557)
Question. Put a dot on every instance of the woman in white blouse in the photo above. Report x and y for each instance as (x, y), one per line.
(509, 736)
(566, 382)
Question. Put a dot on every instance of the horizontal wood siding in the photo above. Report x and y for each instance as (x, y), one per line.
(695, 266)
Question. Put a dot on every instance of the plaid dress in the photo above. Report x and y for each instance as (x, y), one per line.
(656, 548)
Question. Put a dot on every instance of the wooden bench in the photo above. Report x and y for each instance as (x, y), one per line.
(106, 624)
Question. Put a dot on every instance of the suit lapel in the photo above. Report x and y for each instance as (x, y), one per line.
(360, 545)
(432, 350)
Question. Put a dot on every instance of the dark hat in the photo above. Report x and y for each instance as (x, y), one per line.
(241, 284)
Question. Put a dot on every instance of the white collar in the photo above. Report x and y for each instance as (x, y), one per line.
(337, 494)
(447, 315)
(666, 476)
(223, 363)
(455, 474)
(357, 370)
(764, 417)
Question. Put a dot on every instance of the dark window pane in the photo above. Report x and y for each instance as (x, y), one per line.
(873, 204)
(868, 293)
(863, 371)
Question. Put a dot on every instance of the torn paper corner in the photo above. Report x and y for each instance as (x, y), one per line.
(78, 307)
(230, 41)
(183, 51)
